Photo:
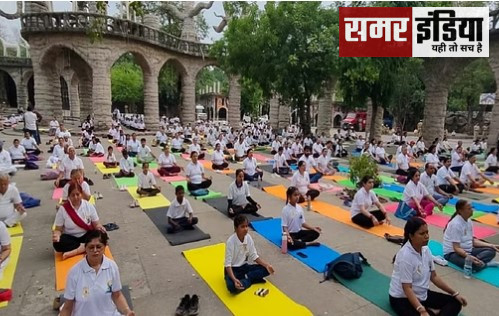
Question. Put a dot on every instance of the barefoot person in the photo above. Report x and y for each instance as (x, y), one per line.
(300, 234)
(168, 164)
(250, 167)
(417, 196)
(361, 204)
(93, 285)
(110, 161)
(147, 183)
(301, 180)
(126, 166)
(180, 213)
(73, 222)
(243, 265)
(471, 176)
(218, 159)
(459, 241)
(239, 199)
(412, 272)
(194, 172)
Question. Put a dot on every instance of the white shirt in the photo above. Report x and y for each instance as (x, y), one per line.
(194, 172)
(458, 231)
(92, 292)
(362, 198)
(194, 147)
(301, 182)
(87, 213)
(468, 169)
(146, 181)
(402, 162)
(58, 151)
(238, 253)
(30, 120)
(84, 185)
(292, 217)
(166, 161)
(179, 210)
(53, 124)
(240, 149)
(317, 148)
(99, 149)
(126, 164)
(322, 163)
(279, 161)
(28, 143)
(433, 159)
(275, 145)
(4, 235)
(491, 161)
(239, 195)
(429, 182)
(17, 152)
(412, 268)
(414, 191)
(5, 160)
(8, 200)
(144, 152)
(309, 163)
(217, 157)
(442, 174)
(359, 143)
(297, 148)
(475, 147)
(249, 166)
(380, 152)
(110, 158)
(287, 153)
(133, 145)
(177, 143)
(67, 165)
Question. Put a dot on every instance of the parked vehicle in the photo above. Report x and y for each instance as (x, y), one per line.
(355, 120)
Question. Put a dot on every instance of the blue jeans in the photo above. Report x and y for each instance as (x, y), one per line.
(440, 198)
(484, 254)
(314, 177)
(247, 274)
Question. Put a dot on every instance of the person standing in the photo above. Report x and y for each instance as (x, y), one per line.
(31, 124)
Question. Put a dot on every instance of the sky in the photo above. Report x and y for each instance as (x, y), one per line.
(10, 29)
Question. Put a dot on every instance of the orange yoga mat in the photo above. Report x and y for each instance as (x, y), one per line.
(337, 213)
(207, 165)
(335, 177)
(62, 267)
(416, 164)
(490, 190)
(489, 219)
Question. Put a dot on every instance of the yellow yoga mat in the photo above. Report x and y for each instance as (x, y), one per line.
(496, 200)
(148, 202)
(337, 213)
(105, 170)
(16, 230)
(489, 219)
(245, 303)
(207, 165)
(335, 177)
(10, 269)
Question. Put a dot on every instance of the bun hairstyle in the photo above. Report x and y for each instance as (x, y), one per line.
(412, 225)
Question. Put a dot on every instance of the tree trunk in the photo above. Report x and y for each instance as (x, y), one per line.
(469, 107)
(325, 109)
(494, 121)
(437, 76)
(305, 123)
(376, 122)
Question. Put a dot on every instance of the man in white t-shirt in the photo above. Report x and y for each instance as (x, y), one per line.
(11, 207)
(447, 180)
(403, 159)
(18, 153)
(29, 143)
(67, 164)
(429, 180)
(6, 161)
(145, 153)
(30, 123)
(147, 183)
(133, 146)
(311, 165)
(5, 248)
(471, 176)
(180, 213)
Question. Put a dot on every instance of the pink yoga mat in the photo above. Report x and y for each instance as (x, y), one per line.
(97, 159)
(168, 179)
(261, 157)
(441, 220)
(57, 194)
(331, 190)
(188, 157)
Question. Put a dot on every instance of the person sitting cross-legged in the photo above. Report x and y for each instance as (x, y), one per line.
(180, 213)
(168, 164)
(126, 166)
(194, 171)
(361, 204)
(145, 154)
(239, 198)
(11, 206)
(243, 265)
(18, 153)
(147, 183)
(218, 159)
(110, 161)
(250, 166)
(280, 166)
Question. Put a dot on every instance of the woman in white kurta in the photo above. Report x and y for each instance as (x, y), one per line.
(301, 180)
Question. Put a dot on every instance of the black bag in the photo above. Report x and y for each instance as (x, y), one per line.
(347, 266)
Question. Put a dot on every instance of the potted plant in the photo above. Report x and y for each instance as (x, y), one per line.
(363, 166)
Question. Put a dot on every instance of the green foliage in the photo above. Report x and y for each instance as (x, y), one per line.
(210, 75)
(127, 83)
(363, 166)
(169, 85)
(251, 97)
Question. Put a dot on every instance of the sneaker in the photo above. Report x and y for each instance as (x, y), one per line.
(193, 305)
(183, 307)
(440, 261)
(99, 196)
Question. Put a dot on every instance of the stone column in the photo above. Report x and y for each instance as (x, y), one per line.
(151, 101)
(284, 113)
(188, 110)
(85, 98)
(324, 120)
(101, 96)
(274, 112)
(74, 97)
(22, 94)
(234, 107)
(44, 92)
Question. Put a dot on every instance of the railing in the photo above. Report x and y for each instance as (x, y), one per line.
(15, 61)
(83, 22)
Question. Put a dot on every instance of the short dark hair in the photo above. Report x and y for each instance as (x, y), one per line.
(142, 140)
(179, 189)
(240, 219)
(97, 234)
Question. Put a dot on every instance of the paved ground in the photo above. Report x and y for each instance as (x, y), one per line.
(159, 275)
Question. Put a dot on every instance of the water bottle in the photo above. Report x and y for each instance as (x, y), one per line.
(468, 266)
(284, 242)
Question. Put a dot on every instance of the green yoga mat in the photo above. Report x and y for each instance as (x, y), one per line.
(210, 195)
(450, 209)
(128, 182)
(347, 183)
(152, 164)
(372, 286)
(388, 194)
(386, 179)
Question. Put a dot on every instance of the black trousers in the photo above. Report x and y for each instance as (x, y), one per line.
(457, 169)
(447, 305)
(253, 177)
(402, 172)
(447, 188)
(68, 242)
(148, 191)
(219, 167)
(301, 238)
(492, 169)
(364, 221)
(174, 150)
(312, 193)
(247, 209)
(121, 174)
(184, 224)
(203, 185)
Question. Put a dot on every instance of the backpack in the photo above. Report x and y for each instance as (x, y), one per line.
(200, 192)
(347, 266)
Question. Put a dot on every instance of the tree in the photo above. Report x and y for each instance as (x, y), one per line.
(127, 83)
(212, 75)
(169, 87)
(283, 50)
(251, 97)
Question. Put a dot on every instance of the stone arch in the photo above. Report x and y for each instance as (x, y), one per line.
(8, 90)
(212, 85)
(139, 57)
(66, 106)
(222, 114)
(337, 120)
(170, 97)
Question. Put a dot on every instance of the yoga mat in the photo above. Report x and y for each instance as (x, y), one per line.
(472, 195)
(152, 165)
(313, 257)
(245, 303)
(57, 194)
(326, 189)
(488, 219)
(489, 190)
(487, 275)
(347, 183)
(220, 204)
(487, 208)
(207, 165)
(167, 179)
(126, 181)
(343, 169)
(496, 200)
(255, 184)
(62, 267)
(16, 230)
(335, 177)
(372, 286)
(10, 269)
(388, 194)
(211, 194)
(148, 202)
(158, 217)
(261, 157)
(493, 239)
(394, 187)
(97, 159)
(100, 166)
(386, 179)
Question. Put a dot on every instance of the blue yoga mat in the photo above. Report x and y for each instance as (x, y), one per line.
(343, 169)
(294, 167)
(482, 207)
(316, 257)
(487, 275)
(394, 187)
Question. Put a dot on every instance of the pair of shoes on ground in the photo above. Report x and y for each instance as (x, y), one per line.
(106, 176)
(134, 204)
(122, 188)
(98, 196)
(188, 306)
